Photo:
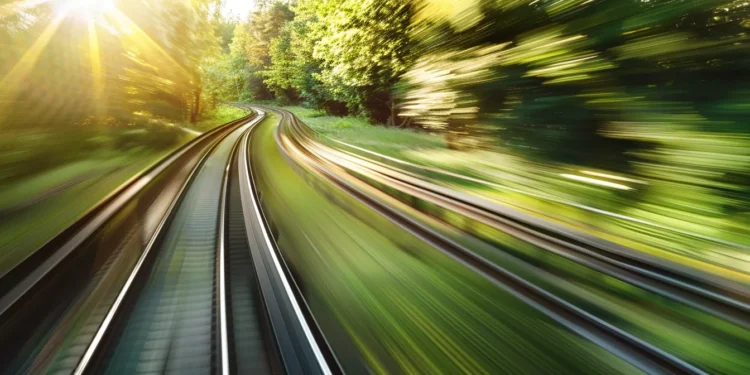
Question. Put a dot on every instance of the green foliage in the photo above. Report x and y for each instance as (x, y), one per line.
(221, 115)
(250, 51)
(652, 90)
(338, 56)
(363, 47)
(294, 72)
(641, 87)
(109, 83)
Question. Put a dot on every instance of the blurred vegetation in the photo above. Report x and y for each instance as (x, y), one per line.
(221, 115)
(630, 90)
(361, 131)
(91, 93)
(80, 77)
(37, 208)
(703, 340)
(645, 88)
(632, 106)
(538, 189)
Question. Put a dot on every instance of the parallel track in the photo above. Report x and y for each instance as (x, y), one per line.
(171, 313)
(720, 297)
(53, 302)
(200, 297)
(204, 299)
(632, 349)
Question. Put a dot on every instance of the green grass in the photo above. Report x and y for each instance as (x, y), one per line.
(54, 176)
(219, 116)
(33, 226)
(360, 132)
(401, 306)
(40, 183)
(112, 156)
(699, 338)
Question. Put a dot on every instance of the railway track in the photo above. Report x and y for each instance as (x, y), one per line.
(178, 271)
(722, 298)
(351, 172)
(175, 272)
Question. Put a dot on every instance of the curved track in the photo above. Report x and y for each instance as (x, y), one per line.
(349, 171)
(178, 270)
(191, 285)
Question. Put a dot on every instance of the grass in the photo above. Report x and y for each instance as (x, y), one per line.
(221, 115)
(28, 229)
(699, 338)
(360, 132)
(703, 340)
(389, 299)
(40, 183)
(34, 216)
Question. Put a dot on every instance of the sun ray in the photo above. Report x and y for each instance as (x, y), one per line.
(142, 40)
(11, 84)
(96, 68)
(13, 7)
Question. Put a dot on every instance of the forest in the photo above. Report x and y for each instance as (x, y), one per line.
(657, 89)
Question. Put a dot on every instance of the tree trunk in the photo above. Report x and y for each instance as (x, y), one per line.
(392, 120)
(237, 86)
(196, 105)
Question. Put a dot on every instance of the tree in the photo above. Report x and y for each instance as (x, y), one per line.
(250, 47)
(363, 48)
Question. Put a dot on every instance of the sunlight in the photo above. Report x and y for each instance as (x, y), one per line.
(133, 34)
(96, 67)
(11, 83)
(87, 9)
(10, 8)
(597, 182)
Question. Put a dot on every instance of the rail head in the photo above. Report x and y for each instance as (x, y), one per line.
(221, 272)
(302, 130)
(722, 303)
(289, 314)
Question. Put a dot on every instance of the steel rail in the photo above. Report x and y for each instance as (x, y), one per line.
(557, 229)
(287, 311)
(534, 195)
(646, 276)
(221, 266)
(96, 345)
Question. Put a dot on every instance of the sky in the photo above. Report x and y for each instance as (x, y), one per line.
(237, 7)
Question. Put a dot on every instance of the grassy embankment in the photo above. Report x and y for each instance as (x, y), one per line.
(399, 305)
(221, 115)
(537, 189)
(50, 179)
